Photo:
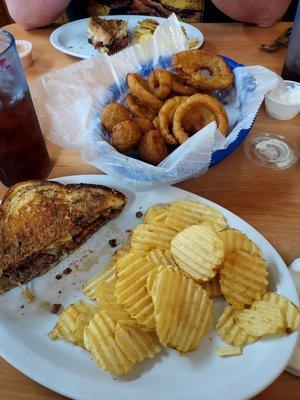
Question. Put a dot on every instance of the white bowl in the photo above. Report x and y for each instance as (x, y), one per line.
(280, 110)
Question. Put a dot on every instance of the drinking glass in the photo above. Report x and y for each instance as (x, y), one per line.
(23, 153)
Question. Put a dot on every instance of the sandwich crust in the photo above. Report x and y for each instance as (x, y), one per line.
(40, 219)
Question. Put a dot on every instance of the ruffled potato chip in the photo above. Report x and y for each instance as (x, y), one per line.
(198, 251)
(131, 288)
(243, 278)
(230, 332)
(182, 309)
(184, 213)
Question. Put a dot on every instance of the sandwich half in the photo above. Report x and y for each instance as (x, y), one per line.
(108, 35)
(41, 222)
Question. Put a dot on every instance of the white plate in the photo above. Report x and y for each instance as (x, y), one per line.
(72, 38)
(199, 375)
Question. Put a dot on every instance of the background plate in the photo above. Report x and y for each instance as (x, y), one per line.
(199, 375)
(72, 38)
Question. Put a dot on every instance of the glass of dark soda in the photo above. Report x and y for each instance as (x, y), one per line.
(23, 153)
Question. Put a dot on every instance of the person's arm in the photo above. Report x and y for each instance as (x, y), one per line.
(35, 13)
(263, 13)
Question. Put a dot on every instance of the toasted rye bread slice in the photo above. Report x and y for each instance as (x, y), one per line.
(37, 215)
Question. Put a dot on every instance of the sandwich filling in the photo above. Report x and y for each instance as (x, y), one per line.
(108, 36)
(40, 263)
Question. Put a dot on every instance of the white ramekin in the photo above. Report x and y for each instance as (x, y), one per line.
(25, 52)
(279, 110)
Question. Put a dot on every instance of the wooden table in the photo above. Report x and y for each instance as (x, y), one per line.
(268, 200)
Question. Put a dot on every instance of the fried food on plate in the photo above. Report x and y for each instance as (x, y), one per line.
(125, 136)
(108, 35)
(157, 213)
(139, 88)
(198, 251)
(144, 30)
(148, 236)
(131, 291)
(263, 318)
(160, 83)
(114, 113)
(288, 309)
(144, 124)
(158, 290)
(190, 63)
(99, 339)
(230, 332)
(233, 239)
(153, 148)
(72, 322)
(165, 118)
(183, 213)
(243, 278)
(41, 222)
(182, 309)
(137, 108)
(135, 343)
(212, 287)
(197, 102)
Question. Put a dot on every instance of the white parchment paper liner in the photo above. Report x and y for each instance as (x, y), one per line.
(70, 101)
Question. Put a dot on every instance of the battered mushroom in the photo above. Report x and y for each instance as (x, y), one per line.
(153, 148)
(126, 135)
(114, 113)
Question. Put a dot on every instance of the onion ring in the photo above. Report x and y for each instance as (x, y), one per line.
(165, 118)
(139, 88)
(189, 63)
(137, 108)
(160, 83)
(198, 101)
(180, 88)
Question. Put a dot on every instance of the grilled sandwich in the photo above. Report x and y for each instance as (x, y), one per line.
(41, 222)
(108, 35)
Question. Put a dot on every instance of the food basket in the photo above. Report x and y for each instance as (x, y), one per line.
(70, 102)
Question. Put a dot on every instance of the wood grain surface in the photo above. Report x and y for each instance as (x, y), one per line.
(268, 200)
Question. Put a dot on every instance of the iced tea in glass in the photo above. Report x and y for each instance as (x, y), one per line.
(23, 153)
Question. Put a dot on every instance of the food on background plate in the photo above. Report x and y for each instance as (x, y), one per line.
(108, 35)
(188, 64)
(146, 298)
(174, 107)
(146, 28)
(41, 222)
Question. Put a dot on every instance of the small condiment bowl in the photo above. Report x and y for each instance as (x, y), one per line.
(280, 110)
(24, 49)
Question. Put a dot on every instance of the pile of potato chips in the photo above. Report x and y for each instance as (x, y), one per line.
(157, 291)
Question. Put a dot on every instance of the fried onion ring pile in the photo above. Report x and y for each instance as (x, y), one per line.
(180, 88)
(199, 101)
(167, 108)
(165, 118)
(160, 83)
(190, 63)
(139, 88)
(137, 108)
